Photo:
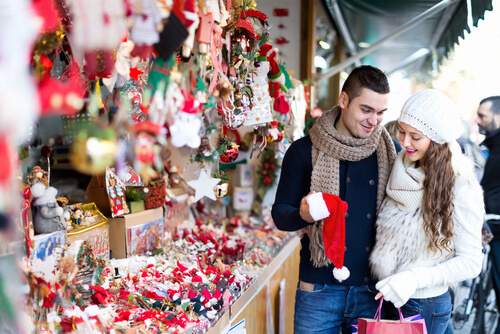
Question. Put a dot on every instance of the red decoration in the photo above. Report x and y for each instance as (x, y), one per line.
(280, 12)
(59, 97)
(134, 73)
(6, 167)
(247, 26)
(230, 155)
(253, 13)
(46, 10)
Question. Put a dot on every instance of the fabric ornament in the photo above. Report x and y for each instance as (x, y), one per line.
(143, 32)
(332, 209)
(97, 25)
(172, 36)
(434, 114)
(192, 22)
(260, 112)
(186, 127)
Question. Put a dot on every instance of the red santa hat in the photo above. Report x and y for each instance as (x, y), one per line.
(275, 74)
(264, 49)
(332, 209)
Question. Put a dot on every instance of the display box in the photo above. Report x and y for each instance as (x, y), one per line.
(96, 235)
(96, 192)
(176, 215)
(136, 233)
(243, 198)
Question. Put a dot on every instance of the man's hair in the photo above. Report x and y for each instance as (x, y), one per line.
(365, 76)
(495, 103)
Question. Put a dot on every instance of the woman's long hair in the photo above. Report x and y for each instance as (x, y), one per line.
(437, 202)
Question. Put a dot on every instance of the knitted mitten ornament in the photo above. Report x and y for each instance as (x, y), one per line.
(332, 209)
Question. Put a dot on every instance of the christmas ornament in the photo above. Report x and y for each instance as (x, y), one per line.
(144, 32)
(186, 127)
(231, 153)
(145, 149)
(261, 103)
(93, 150)
(221, 190)
(204, 186)
(190, 12)
(273, 133)
(131, 94)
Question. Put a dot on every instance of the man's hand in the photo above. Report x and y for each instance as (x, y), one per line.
(304, 211)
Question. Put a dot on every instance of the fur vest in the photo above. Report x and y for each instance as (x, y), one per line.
(401, 242)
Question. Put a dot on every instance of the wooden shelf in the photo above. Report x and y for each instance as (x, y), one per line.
(252, 304)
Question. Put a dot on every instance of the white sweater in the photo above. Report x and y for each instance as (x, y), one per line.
(401, 243)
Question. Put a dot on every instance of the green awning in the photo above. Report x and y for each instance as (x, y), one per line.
(371, 27)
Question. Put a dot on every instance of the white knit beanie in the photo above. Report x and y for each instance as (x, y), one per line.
(434, 114)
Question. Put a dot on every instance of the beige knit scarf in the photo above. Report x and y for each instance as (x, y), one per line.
(328, 148)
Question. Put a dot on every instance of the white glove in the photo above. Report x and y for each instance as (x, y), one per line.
(399, 287)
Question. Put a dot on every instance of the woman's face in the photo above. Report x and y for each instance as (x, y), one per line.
(413, 141)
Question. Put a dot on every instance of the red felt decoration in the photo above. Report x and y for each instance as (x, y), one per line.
(247, 26)
(135, 73)
(46, 10)
(253, 13)
(59, 97)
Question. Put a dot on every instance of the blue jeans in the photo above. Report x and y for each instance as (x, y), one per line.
(436, 311)
(329, 307)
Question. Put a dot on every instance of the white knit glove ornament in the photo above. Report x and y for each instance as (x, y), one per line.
(398, 288)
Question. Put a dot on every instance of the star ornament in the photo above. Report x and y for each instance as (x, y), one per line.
(135, 73)
(204, 186)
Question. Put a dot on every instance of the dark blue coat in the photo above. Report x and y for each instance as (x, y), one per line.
(358, 187)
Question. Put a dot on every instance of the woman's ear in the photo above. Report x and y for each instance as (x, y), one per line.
(343, 100)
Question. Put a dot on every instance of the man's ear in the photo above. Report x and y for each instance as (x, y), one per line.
(496, 120)
(343, 100)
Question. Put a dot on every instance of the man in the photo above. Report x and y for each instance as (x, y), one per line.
(488, 121)
(349, 154)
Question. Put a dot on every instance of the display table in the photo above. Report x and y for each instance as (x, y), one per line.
(264, 293)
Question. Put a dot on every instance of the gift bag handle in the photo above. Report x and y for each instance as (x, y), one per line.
(379, 311)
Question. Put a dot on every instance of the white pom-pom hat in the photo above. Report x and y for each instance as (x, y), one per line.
(434, 114)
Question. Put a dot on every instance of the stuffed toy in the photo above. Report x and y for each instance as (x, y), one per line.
(332, 209)
(185, 130)
(48, 215)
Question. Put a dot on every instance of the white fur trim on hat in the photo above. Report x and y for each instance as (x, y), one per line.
(341, 274)
(317, 206)
(434, 114)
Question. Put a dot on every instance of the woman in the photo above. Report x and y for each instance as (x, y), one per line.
(429, 225)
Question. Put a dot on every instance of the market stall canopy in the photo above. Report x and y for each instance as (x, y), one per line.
(407, 35)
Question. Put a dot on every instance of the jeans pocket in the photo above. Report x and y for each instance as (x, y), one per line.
(411, 307)
(315, 289)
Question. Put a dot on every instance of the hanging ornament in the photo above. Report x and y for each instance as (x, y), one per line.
(273, 133)
(221, 190)
(231, 153)
(93, 150)
(204, 186)
(187, 124)
(235, 118)
(131, 93)
(261, 102)
(145, 149)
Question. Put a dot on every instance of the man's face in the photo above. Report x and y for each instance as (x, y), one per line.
(486, 120)
(361, 115)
